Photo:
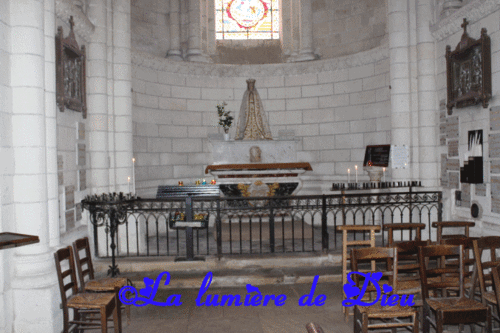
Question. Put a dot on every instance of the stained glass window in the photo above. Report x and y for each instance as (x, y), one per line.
(247, 19)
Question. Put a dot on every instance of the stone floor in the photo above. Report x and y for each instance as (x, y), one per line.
(289, 318)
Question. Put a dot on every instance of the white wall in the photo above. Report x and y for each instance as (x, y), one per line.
(336, 108)
(469, 118)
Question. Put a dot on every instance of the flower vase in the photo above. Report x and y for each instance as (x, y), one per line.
(226, 135)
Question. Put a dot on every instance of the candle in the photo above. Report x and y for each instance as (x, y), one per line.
(348, 176)
(129, 184)
(356, 167)
(133, 172)
(383, 170)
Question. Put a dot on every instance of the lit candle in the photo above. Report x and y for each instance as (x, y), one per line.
(129, 184)
(356, 167)
(133, 171)
(383, 170)
(348, 176)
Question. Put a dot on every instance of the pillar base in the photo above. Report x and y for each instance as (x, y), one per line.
(305, 57)
(199, 58)
(174, 55)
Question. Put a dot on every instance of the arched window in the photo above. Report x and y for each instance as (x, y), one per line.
(247, 19)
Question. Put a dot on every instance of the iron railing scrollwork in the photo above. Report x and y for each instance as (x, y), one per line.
(132, 227)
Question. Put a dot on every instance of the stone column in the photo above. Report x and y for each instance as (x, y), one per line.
(306, 32)
(398, 29)
(34, 280)
(97, 99)
(194, 51)
(175, 32)
(428, 108)
(122, 101)
(51, 122)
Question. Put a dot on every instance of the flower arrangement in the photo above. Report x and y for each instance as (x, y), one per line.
(225, 120)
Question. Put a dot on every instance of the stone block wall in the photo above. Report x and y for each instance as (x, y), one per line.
(454, 128)
(339, 28)
(348, 27)
(336, 107)
(149, 25)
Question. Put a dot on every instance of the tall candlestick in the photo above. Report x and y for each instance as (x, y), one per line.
(133, 172)
(356, 167)
(348, 176)
(383, 170)
(128, 184)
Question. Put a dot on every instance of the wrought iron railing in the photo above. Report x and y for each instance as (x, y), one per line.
(125, 226)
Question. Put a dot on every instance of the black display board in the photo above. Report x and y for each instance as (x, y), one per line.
(377, 155)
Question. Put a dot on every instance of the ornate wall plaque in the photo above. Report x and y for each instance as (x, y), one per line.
(70, 72)
(468, 71)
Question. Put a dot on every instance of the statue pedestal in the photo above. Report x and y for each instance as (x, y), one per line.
(238, 151)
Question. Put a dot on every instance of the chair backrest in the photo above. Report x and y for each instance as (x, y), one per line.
(64, 260)
(467, 243)
(83, 261)
(412, 230)
(491, 244)
(452, 224)
(377, 254)
(495, 272)
(441, 269)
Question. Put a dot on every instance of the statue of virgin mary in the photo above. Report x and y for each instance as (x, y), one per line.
(252, 121)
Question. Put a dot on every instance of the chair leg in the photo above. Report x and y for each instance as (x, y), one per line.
(127, 311)
(415, 323)
(117, 316)
(426, 319)
(104, 320)
(439, 322)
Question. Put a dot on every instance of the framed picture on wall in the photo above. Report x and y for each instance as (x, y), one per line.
(468, 71)
(70, 72)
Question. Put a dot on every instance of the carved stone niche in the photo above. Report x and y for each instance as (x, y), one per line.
(70, 72)
(468, 71)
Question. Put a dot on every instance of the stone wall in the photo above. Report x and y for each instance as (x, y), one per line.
(336, 107)
(339, 28)
(454, 128)
(149, 25)
(7, 217)
(348, 27)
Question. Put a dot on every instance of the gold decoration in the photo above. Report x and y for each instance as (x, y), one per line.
(252, 122)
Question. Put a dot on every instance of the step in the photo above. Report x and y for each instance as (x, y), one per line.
(230, 271)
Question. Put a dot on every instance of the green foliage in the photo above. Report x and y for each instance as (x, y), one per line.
(225, 119)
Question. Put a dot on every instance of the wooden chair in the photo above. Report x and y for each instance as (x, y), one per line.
(84, 305)
(484, 268)
(409, 267)
(346, 243)
(85, 271)
(414, 229)
(389, 315)
(447, 310)
(452, 224)
(495, 273)
(469, 261)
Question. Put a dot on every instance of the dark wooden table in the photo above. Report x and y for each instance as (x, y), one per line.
(10, 239)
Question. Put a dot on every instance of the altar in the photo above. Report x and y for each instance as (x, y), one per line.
(254, 164)
(257, 168)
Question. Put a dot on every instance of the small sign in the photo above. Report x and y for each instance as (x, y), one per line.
(70, 219)
(81, 150)
(188, 224)
(82, 179)
(400, 157)
(70, 197)
(78, 211)
(80, 131)
(377, 155)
